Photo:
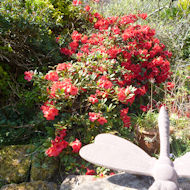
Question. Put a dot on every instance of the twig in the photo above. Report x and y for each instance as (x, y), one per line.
(157, 10)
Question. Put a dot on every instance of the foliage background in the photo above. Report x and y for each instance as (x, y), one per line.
(28, 41)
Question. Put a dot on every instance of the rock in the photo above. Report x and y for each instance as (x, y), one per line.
(2, 182)
(121, 181)
(36, 185)
(43, 168)
(184, 184)
(14, 163)
(73, 181)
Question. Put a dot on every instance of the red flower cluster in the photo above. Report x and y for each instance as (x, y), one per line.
(66, 51)
(28, 75)
(125, 96)
(90, 172)
(52, 76)
(87, 8)
(125, 118)
(141, 55)
(76, 36)
(76, 2)
(143, 15)
(103, 82)
(63, 86)
(76, 145)
(170, 85)
(97, 116)
(145, 108)
(93, 99)
(93, 116)
(58, 144)
(63, 66)
(49, 110)
(101, 94)
(139, 51)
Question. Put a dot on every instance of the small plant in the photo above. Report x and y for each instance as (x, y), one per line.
(184, 4)
(146, 121)
(179, 146)
(146, 131)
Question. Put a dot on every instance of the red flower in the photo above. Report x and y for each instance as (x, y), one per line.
(28, 75)
(116, 30)
(102, 120)
(143, 108)
(85, 48)
(103, 82)
(67, 87)
(49, 111)
(76, 145)
(93, 99)
(87, 8)
(66, 51)
(167, 53)
(51, 152)
(84, 39)
(124, 112)
(127, 121)
(76, 36)
(101, 175)
(76, 2)
(101, 94)
(57, 39)
(131, 100)
(57, 146)
(93, 116)
(113, 19)
(170, 85)
(90, 172)
(74, 45)
(112, 52)
(147, 45)
(125, 118)
(102, 24)
(141, 91)
(63, 66)
(143, 15)
(97, 15)
(123, 93)
(62, 133)
(127, 19)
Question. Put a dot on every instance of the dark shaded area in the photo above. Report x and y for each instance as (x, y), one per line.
(132, 181)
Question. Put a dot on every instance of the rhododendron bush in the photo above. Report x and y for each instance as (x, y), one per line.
(109, 70)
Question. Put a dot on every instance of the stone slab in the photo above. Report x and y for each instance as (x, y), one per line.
(121, 181)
